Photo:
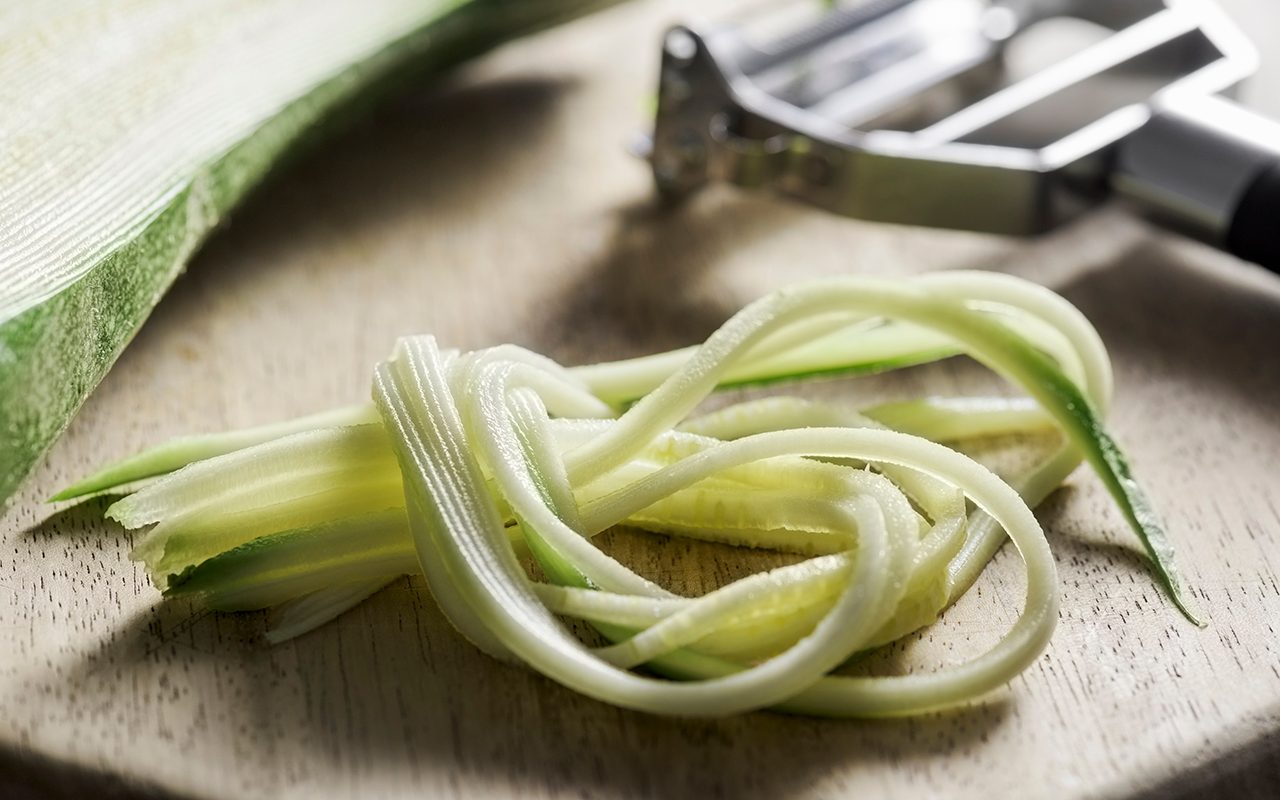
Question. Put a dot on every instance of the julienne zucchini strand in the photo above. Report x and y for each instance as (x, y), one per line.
(482, 470)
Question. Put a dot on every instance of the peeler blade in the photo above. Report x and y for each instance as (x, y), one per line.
(934, 112)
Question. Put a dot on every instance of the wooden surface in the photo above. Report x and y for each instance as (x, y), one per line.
(504, 208)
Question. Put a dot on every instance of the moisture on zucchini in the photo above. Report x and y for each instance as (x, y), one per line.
(481, 470)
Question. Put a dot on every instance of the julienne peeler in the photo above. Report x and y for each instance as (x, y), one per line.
(1004, 116)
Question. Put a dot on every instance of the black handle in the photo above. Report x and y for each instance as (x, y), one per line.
(1211, 168)
(1254, 234)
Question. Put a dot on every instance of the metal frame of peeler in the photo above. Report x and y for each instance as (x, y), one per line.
(904, 111)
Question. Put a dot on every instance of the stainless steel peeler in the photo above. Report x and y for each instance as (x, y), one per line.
(1007, 116)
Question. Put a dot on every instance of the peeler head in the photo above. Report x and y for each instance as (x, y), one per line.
(989, 115)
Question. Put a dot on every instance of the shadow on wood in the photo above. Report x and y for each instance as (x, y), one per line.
(644, 291)
(424, 695)
(1199, 315)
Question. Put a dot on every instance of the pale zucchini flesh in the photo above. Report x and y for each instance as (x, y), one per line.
(475, 468)
(154, 119)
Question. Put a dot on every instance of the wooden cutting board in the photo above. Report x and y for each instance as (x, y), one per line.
(503, 207)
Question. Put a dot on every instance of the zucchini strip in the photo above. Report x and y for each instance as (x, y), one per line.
(481, 470)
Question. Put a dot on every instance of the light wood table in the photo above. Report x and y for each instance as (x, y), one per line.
(503, 207)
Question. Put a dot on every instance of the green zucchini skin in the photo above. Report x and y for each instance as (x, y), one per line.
(54, 352)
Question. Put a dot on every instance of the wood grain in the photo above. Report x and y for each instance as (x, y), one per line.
(503, 207)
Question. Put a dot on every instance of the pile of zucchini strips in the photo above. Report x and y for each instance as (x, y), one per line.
(492, 472)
